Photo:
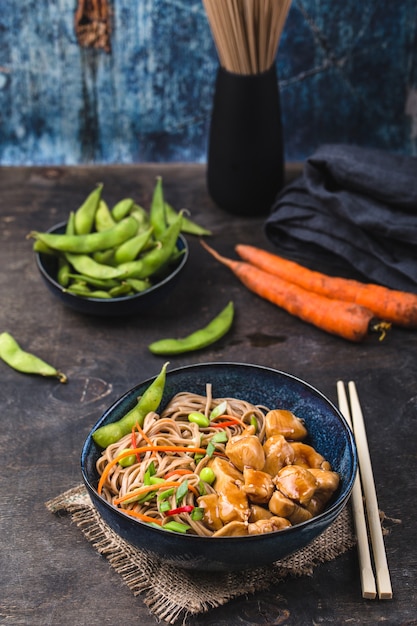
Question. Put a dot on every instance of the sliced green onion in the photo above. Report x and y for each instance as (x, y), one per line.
(164, 506)
(197, 514)
(182, 491)
(220, 437)
(155, 480)
(220, 409)
(163, 495)
(177, 527)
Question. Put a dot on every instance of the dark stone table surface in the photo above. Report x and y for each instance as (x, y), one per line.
(49, 573)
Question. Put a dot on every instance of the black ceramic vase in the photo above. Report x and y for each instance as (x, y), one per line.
(245, 165)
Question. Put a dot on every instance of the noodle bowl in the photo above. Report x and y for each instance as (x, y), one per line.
(260, 388)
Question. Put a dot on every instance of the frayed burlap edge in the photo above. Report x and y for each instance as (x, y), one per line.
(196, 592)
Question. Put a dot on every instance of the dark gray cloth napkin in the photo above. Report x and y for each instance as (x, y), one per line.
(353, 210)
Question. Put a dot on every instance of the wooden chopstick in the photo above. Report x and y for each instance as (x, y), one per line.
(369, 491)
(366, 572)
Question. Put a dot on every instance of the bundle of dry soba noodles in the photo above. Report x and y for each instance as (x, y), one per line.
(247, 32)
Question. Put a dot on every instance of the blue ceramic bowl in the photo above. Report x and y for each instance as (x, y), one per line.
(328, 433)
(127, 305)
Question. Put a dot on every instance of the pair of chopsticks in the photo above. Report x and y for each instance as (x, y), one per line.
(364, 490)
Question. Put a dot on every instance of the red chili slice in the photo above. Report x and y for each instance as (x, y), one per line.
(187, 508)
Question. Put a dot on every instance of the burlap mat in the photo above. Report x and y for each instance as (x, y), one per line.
(196, 592)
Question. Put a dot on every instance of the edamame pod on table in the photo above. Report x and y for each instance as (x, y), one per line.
(202, 338)
(25, 362)
(149, 401)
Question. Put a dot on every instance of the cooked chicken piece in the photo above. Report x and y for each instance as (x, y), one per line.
(326, 479)
(281, 422)
(307, 456)
(297, 483)
(268, 525)
(258, 512)
(278, 453)
(232, 529)
(258, 485)
(211, 517)
(232, 500)
(327, 483)
(246, 451)
(282, 506)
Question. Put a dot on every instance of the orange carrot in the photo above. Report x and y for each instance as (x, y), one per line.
(142, 516)
(345, 319)
(141, 450)
(178, 472)
(145, 489)
(226, 420)
(398, 307)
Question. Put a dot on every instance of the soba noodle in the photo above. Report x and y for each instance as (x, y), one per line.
(172, 428)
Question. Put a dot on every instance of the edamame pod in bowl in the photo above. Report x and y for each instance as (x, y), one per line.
(121, 260)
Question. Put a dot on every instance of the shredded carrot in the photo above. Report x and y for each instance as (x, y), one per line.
(134, 444)
(141, 450)
(398, 307)
(142, 516)
(145, 489)
(143, 434)
(338, 317)
(194, 490)
(178, 472)
(228, 420)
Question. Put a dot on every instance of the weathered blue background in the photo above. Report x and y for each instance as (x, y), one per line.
(347, 72)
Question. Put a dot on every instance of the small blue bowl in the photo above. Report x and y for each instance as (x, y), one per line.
(122, 306)
(328, 433)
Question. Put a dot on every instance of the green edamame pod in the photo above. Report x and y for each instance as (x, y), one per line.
(25, 362)
(104, 219)
(129, 250)
(138, 284)
(95, 282)
(84, 264)
(63, 265)
(149, 401)
(70, 228)
(63, 276)
(104, 256)
(91, 242)
(157, 210)
(141, 216)
(202, 338)
(188, 226)
(42, 248)
(85, 214)
(158, 256)
(124, 289)
(122, 209)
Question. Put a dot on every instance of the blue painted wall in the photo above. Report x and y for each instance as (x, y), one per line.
(347, 72)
